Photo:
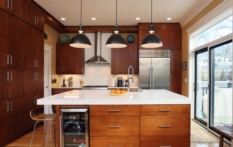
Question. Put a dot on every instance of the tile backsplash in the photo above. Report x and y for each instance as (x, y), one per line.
(97, 74)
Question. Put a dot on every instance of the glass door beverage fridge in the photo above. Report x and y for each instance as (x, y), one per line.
(74, 127)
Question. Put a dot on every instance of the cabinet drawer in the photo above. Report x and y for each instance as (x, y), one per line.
(114, 125)
(165, 141)
(165, 125)
(57, 91)
(114, 110)
(114, 141)
(165, 110)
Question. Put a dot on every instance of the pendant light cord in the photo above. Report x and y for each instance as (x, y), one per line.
(81, 13)
(116, 12)
(151, 11)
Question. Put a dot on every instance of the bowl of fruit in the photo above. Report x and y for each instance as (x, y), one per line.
(118, 92)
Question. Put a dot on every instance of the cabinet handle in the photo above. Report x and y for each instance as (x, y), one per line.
(114, 110)
(7, 61)
(7, 77)
(11, 106)
(7, 109)
(114, 126)
(168, 110)
(11, 5)
(8, 4)
(11, 59)
(35, 20)
(11, 75)
(168, 126)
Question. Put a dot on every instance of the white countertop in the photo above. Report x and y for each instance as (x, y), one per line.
(80, 87)
(102, 97)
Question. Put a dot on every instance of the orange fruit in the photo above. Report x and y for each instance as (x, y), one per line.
(113, 91)
(118, 92)
(122, 92)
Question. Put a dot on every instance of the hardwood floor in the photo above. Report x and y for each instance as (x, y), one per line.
(38, 140)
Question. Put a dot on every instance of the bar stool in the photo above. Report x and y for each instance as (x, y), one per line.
(39, 116)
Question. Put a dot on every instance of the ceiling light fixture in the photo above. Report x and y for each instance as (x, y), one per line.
(80, 40)
(63, 19)
(116, 40)
(137, 18)
(151, 40)
(168, 18)
(93, 18)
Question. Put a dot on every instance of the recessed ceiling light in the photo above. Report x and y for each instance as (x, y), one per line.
(93, 18)
(63, 19)
(168, 18)
(137, 18)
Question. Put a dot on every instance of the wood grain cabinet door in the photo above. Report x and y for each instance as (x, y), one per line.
(79, 61)
(4, 57)
(123, 60)
(175, 83)
(15, 83)
(164, 36)
(38, 82)
(15, 106)
(39, 96)
(14, 7)
(134, 56)
(29, 13)
(39, 50)
(175, 39)
(28, 81)
(4, 80)
(40, 19)
(15, 42)
(60, 58)
(115, 61)
(114, 141)
(175, 61)
(3, 121)
(69, 59)
(29, 104)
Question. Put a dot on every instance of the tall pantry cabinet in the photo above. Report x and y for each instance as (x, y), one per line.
(21, 67)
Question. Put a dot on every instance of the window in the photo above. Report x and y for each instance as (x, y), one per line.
(217, 31)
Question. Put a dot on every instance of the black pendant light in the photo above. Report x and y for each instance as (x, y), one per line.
(116, 40)
(80, 40)
(151, 40)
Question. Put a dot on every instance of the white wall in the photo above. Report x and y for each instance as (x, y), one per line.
(96, 74)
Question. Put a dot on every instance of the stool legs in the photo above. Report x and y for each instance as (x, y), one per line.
(33, 133)
(221, 141)
(45, 131)
(54, 130)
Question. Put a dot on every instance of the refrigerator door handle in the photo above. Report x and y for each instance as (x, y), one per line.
(152, 75)
(150, 78)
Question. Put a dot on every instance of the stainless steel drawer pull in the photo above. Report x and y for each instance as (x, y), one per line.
(7, 109)
(11, 76)
(11, 106)
(11, 5)
(168, 126)
(7, 79)
(7, 61)
(114, 110)
(11, 59)
(168, 110)
(8, 4)
(114, 126)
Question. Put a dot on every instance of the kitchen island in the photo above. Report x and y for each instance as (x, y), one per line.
(151, 118)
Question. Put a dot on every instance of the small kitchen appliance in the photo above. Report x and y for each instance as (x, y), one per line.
(119, 82)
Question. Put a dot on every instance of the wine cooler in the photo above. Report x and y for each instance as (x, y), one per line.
(74, 127)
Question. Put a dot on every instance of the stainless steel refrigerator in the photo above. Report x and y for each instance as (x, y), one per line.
(154, 69)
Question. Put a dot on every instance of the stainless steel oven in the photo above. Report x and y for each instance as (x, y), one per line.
(74, 129)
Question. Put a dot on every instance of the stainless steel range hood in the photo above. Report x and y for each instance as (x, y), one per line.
(97, 59)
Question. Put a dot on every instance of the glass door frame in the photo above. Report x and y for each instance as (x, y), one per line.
(211, 86)
(195, 85)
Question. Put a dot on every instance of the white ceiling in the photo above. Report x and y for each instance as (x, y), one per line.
(105, 12)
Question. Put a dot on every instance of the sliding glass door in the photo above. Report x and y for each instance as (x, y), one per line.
(221, 84)
(201, 86)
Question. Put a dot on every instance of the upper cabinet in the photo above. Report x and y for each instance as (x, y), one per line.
(69, 60)
(33, 15)
(170, 34)
(122, 58)
(15, 7)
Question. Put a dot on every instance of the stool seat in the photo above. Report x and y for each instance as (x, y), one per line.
(45, 117)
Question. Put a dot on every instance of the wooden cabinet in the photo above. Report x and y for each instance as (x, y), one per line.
(175, 39)
(14, 7)
(175, 61)
(115, 110)
(69, 60)
(39, 50)
(122, 58)
(175, 83)
(33, 15)
(3, 121)
(4, 86)
(33, 81)
(114, 125)
(114, 141)
(3, 38)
